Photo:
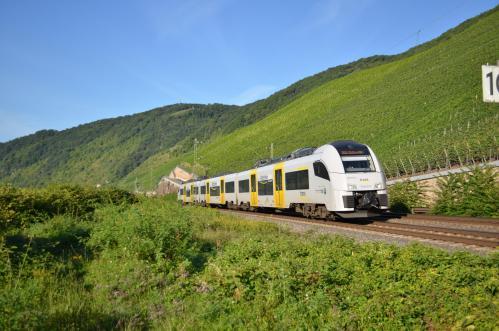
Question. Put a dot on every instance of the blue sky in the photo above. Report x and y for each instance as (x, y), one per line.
(64, 63)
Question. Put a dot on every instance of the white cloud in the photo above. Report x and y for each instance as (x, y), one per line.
(173, 19)
(328, 12)
(251, 94)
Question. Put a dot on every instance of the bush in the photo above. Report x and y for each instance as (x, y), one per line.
(138, 248)
(473, 194)
(157, 265)
(264, 281)
(20, 207)
(405, 196)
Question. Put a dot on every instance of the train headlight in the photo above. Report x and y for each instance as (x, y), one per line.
(378, 186)
(352, 187)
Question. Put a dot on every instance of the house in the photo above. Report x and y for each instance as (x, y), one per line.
(171, 183)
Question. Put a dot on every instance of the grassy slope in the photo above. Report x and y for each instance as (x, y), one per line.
(424, 103)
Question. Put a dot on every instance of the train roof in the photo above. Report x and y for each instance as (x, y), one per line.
(344, 148)
(300, 152)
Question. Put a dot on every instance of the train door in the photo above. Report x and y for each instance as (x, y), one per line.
(253, 189)
(222, 191)
(323, 182)
(184, 193)
(207, 192)
(192, 193)
(278, 186)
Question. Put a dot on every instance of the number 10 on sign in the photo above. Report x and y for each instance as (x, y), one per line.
(490, 83)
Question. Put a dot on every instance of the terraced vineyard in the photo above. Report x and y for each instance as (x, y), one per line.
(420, 109)
(419, 112)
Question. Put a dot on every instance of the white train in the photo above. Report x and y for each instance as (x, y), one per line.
(343, 178)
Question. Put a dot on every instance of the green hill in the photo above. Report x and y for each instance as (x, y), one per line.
(421, 100)
(107, 150)
(418, 111)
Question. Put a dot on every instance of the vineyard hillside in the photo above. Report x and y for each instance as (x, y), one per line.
(417, 112)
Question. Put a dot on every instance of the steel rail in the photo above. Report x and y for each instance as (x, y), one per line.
(465, 237)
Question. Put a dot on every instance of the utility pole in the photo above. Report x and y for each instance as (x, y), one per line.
(195, 151)
(150, 176)
(271, 151)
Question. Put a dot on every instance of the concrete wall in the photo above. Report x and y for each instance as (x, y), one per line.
(429, 181)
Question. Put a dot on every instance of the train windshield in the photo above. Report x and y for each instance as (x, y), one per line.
(358, 164)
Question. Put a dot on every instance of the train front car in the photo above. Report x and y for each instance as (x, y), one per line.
(358, 184)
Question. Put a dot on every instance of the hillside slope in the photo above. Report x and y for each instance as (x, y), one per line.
(107, 150)
(147, 145)
(420, 110)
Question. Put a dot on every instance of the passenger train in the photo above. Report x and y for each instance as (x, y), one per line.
(343, 178)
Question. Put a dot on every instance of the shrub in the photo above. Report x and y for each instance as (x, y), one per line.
(20, 207)
(405, 196)
(138, 248)
(473, 194)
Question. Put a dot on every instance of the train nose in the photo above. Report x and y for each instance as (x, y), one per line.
(366, 199)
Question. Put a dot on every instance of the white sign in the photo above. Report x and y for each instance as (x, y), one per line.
(490, 83)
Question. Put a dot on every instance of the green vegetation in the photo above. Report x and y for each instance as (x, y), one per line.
(418, 112)
(471, 194)
(104, 151)
(412, 112)
(154, 264)
(405, 196)
(420, 109)
(19, 208)
(107, 150)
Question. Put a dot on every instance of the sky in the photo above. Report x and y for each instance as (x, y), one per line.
(65, 63)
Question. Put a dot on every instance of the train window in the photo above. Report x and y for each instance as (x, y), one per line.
(350, 148)
(244, 186)
(188, 193)
(203, 189)
(181, 191)
(229, 187)
(358, 165)
(320, 170)
(266, 187)
(215, 191)
(222, 186)
(297, 180)
(253, 183)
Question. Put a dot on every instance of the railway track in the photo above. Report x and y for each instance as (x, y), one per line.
(481, 221)
(438, 228)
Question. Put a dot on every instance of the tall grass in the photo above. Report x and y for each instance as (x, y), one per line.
(154, 264)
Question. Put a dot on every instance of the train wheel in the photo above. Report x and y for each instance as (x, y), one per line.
(322, 212)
